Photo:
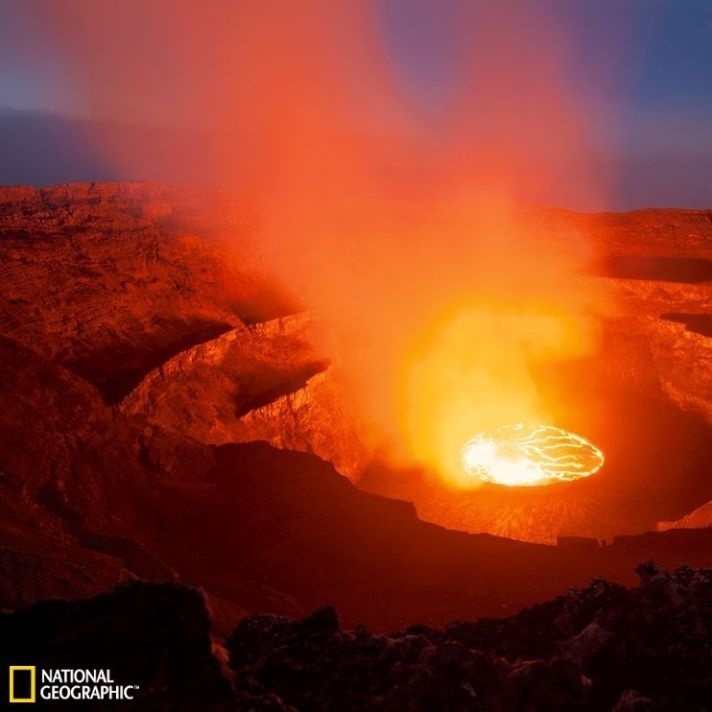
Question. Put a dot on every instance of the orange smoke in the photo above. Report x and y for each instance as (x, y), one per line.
(408, 239)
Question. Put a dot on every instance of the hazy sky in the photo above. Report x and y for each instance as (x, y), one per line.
(644, 67)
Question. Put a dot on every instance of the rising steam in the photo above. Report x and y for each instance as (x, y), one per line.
(406, 233)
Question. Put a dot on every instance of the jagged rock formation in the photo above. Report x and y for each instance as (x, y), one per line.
(144, 284)
(600, 648)
(90, 497)
(287, 520)
(96, 278)
(657, 265)
(265, 382)
(315, 419)
(73, 491)
(261, 530)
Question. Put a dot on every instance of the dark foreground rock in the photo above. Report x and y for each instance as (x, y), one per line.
(600, 648)
(156, 636)
(604, 647)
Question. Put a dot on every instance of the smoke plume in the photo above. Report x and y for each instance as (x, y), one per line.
(406, 233)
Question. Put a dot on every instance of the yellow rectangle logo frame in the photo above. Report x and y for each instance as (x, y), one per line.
(33, 683)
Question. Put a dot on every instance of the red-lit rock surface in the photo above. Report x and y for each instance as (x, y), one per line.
(265, 382)
(97, 278)
(699, 518)
(136, 346)
(122, 282)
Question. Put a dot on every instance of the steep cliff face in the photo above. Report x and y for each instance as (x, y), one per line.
(104, 288)
(73, 492)
(111, 280)
(266, 382)
(700, 518)
(657, 267)
(146, 293)
(315, 418)
(206, 389)
(661, 281)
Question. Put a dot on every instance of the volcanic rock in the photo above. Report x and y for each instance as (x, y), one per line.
(265, 382)
(288, 520)
(73, 492)
(650, 653)
(697, 519)
(156, 636)
(121, 288)
(631, 701)
(146, 294)
(91, 497)
(655, 655)
(136, 278)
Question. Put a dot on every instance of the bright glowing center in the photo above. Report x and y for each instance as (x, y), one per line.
(527, 455)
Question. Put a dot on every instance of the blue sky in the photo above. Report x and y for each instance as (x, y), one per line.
(643, 66)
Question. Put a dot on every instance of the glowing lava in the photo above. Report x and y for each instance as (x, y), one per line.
(528, 455)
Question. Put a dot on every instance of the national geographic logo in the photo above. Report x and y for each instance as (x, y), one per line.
(23, 683)
(64, 685)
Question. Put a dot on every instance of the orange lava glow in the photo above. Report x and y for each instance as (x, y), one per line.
(529, 455)
(475, 369)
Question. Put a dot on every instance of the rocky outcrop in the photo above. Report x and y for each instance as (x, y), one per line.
(90, 497)
(147, 294)
(73, 489)
(699, 518)
(111, 280)
(657, 265)
(287, 520)
(600, 648)
(266, 382)
(316, 419)
(61, 445)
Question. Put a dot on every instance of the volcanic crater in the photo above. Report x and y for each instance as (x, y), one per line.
(168, 412)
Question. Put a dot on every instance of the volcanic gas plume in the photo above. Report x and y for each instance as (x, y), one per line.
(414, 251)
